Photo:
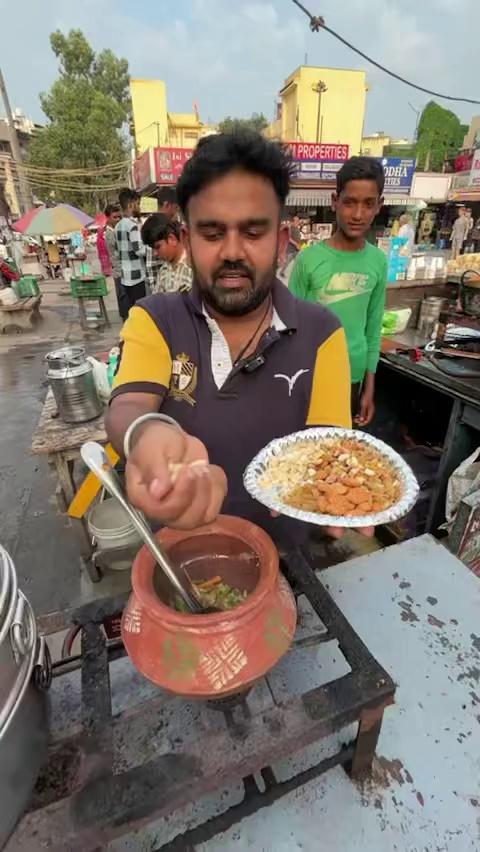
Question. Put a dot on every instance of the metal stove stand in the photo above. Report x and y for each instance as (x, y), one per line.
(83, 800)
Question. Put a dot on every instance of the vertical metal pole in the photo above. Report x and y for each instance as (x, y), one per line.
(25, 192)
(319, 110)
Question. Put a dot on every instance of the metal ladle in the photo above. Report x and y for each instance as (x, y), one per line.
(97, 460)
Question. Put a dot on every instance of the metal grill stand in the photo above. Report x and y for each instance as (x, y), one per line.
(100, 784)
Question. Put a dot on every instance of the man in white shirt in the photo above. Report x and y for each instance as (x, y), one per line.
(459, 232)
(407, 231)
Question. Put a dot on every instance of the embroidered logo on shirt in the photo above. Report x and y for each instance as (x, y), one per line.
(184, 379)
(290, 380)
(344, 285)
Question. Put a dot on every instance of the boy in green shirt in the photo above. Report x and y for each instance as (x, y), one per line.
(348, 275)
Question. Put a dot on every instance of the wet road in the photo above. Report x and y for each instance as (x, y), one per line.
(39, 539)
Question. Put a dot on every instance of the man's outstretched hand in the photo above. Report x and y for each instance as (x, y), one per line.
(169, 478)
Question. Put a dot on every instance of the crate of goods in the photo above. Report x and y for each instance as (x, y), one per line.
(26, 286)
(88, 288)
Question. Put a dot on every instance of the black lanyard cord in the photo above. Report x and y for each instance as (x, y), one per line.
(252, 338)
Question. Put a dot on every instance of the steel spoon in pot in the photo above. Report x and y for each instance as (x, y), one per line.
(97, 460)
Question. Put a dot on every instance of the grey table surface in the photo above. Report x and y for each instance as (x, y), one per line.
(418, 610)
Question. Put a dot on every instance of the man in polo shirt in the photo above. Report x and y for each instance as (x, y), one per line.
(232, 364)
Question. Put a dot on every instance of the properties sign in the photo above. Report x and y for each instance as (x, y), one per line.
(318, 160)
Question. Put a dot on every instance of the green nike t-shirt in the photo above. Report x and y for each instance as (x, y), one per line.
(352, 284)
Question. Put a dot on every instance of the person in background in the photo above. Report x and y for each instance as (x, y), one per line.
(470, 223)
(167, 202)
(349, 275)
(476, 235)
(53, 258)
(168, 206)
(108, 255)
(131, 250)
(163, 236)
(295, 236)
(459, 233)
(407, 231)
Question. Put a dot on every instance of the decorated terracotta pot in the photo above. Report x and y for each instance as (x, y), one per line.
(219, 654)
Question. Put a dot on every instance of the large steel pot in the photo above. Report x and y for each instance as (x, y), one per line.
(23, 702)
(73, 385)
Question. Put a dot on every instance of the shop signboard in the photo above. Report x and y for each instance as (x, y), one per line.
(399, 172)
(142, 176)
(460, 180)
(475, 170)
(169, 163)
(318, 161)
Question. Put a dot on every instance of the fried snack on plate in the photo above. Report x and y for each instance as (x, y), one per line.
(334, 476)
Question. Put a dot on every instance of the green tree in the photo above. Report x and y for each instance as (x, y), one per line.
(440, 135)
(87, 111)
(257, 121)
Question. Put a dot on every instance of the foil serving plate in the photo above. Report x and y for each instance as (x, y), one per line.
(272, 496)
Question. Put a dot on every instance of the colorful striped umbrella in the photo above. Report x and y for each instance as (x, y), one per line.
(50, 221)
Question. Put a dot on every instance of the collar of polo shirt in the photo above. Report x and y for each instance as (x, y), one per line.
(220, 358)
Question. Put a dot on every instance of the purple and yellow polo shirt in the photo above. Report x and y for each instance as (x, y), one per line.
(299, 376)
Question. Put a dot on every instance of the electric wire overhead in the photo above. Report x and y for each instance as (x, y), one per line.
(317, 23)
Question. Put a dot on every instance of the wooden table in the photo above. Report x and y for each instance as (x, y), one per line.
(61, 443)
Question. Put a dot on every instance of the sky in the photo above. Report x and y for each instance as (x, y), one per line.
(232, 56)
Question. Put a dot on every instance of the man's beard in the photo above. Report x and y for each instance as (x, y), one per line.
(239, 301)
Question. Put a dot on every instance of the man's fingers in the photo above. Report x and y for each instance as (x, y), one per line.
(338, 532)
(368, 532)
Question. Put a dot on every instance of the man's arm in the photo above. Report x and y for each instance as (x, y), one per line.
(151, 279)
(373, 334)
(298, 283)
(168, 474)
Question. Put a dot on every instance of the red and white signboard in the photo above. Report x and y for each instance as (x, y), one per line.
(318, 152)
(318, 160)
(169, 163)
(475, 170)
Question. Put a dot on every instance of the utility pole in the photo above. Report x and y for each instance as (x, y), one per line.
(319, 88)
(25, 191)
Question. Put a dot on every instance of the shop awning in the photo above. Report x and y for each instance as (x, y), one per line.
(305, 197)
(309, 198)
(470, 193)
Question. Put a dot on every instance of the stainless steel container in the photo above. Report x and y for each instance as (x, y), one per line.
(23, 705)
(429, 314)
(71, 379)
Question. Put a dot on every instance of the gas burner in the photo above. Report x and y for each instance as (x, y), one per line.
(120, 772)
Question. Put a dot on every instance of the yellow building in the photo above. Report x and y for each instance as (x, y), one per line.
(375, 144)
(154, 126)
(149, 107)
(185, 129)
(322, 105)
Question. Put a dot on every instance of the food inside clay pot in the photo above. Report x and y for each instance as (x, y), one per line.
(224, 571)
(214, 593)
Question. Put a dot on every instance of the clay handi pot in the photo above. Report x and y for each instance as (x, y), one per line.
(218, 654)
